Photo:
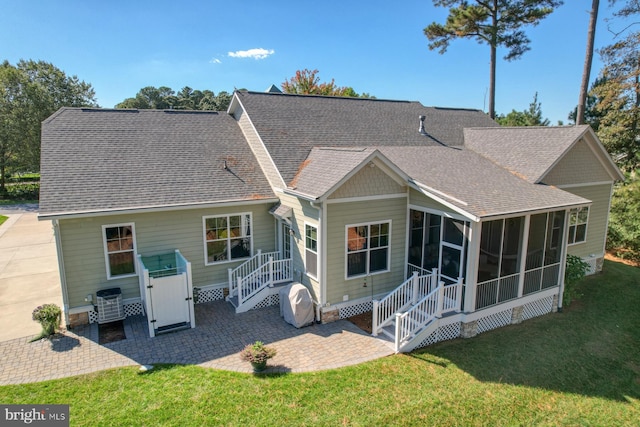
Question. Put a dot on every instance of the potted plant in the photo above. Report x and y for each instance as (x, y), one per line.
(258, 354)
(48, 315)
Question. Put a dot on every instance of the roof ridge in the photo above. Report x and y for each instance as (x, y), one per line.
(302, 95)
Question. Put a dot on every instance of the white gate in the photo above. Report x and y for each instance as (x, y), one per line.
(168, 294)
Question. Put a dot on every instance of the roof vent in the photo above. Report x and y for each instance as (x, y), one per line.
(421, 128)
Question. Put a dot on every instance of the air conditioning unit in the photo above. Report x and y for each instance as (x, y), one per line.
(110, 306)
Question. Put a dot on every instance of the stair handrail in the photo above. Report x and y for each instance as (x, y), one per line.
(418, 316)
(247, 267)
(409, 292)
(247, 287)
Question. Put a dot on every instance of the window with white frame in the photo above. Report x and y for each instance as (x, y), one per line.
(311, 249)
(367, 248)
(227, 237)
(578, 219)
(119, 250)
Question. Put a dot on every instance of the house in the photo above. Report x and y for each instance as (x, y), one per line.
(440, 221)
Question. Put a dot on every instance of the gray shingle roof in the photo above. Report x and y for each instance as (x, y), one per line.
(526, 151)
(104, 160)
(291, 125)
(475, 184)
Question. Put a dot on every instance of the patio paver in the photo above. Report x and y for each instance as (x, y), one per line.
(219, 336)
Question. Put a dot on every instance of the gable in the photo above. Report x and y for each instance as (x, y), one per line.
(371, 180)
(578, 166)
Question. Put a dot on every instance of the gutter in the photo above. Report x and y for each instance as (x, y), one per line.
(63, 276)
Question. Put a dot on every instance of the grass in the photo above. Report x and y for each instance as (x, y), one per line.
(3, 219)
(579, 367)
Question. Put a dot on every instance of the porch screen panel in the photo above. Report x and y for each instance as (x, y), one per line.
(510, 262)
(555, 228)
(490, 244)
(431, 254)
(416, 236)
(453, 231)
(535, 247)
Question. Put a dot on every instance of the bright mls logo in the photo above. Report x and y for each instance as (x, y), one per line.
(38, 415)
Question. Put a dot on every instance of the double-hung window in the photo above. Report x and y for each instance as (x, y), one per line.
(227, 237)
(368, 248)
(578, 219)
(311, 249)
(119, 250)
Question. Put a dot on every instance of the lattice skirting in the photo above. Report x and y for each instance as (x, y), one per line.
(208, 295)
(494, 321)
(353, 310)
(537, 308)
(443, 333)
(268, 302)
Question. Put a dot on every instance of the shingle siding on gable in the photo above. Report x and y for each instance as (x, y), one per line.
(368, 181)
(419, 199)
(578, 166)
(258, 149)
(597, 226)
(157, 232)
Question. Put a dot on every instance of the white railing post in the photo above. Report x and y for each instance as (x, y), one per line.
(239, 289)
(414, 285)
(374, 320)
(270, 283)
(398, 331)
(230, 279)
(440, 299)
(459, 295)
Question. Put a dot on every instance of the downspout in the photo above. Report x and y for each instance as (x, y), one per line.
(63, 276)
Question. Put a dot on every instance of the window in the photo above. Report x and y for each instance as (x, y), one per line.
(311, 250)
(120, 250)
(367, 248)
(578, 219)
(227, 237)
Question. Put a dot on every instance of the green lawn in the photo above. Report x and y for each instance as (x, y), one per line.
(579, 367)
(3, 219)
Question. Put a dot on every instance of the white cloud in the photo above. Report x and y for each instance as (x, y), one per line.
(215, 61)
(257, 53)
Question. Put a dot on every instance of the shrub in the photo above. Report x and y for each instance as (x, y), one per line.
(49, 316)
(26, 191)
(257, 353)
(623, 238)
(575, 271)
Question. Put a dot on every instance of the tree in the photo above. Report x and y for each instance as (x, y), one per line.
(164, 98)
(586, 71)
(619, 101)
(497, 23)
(307, 82)
(530, 117)
(30, 92)
(593, 111)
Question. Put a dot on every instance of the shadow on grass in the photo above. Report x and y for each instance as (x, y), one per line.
(592, 348)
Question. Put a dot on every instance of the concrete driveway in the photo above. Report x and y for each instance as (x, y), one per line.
(28, 271)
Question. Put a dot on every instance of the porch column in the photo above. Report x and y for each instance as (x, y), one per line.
(473, 254)
(523, 254)
(563, 257)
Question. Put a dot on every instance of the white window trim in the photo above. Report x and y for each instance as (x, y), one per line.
(205, 241)
(106, 250)
(313, 276)
(575, 226)
(346, 250)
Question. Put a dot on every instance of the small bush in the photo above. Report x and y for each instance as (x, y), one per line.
(49, 317)
(25, 191)
(575, 271)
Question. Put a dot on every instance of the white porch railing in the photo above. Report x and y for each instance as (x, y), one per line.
(440, 300)
(248, 267)
(408, 293)
(267, 275)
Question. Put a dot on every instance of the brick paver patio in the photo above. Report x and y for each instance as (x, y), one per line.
(219, 336)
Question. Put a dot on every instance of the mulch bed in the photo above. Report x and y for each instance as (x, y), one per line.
(110, 332)
(362, 321)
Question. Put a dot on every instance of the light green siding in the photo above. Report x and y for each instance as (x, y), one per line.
(597, 225)
(302, 213)
(83, 251)
(419, 199)
(366, 182)
(339, 215)
(580, 165)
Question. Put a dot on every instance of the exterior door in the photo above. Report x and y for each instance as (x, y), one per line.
(452, 250)
(285, 240)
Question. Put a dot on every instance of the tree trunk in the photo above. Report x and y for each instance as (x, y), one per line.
(494, 47)
(588, 59)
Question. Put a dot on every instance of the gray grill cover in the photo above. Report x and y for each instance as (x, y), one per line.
(296, 305)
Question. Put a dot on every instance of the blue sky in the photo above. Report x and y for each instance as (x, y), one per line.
(374, 46)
